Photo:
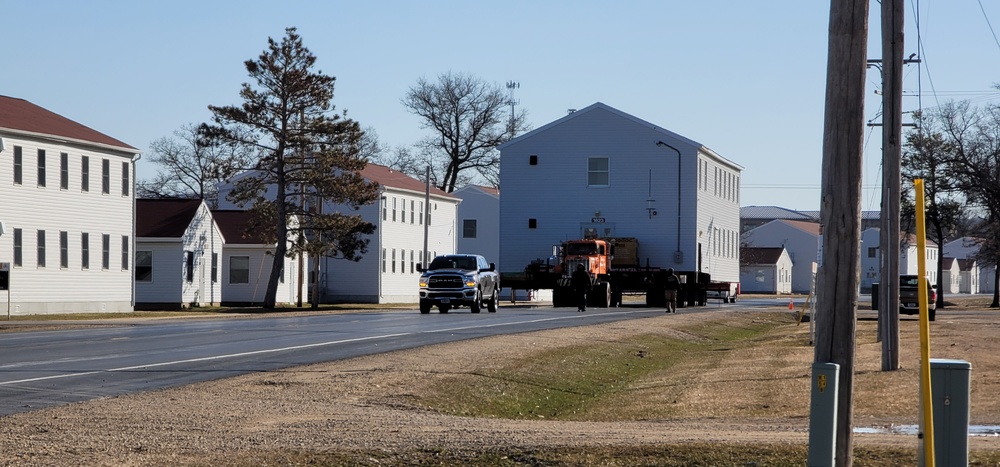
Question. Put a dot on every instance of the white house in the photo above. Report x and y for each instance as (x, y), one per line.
(387, 273)
(871, 257)
(765, 270)
(479, 221)
(950, 276)
(601, 172)
(66, 213)
(967, 248)
(968, 276)
(177, 254)
(799, 238)
(247, 261)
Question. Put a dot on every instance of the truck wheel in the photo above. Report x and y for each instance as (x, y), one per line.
(477, 303)
(603, 295)
(425, 307)
(444, 308)
(491, 305)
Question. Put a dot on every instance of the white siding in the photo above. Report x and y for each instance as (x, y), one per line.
(169, 284)
(802, 248)
(718, 223)
(363, 281)
(53, 289)
(260, 270)
(640, 200)
(966, 248)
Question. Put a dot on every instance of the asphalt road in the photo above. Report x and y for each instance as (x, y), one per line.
(45, 368)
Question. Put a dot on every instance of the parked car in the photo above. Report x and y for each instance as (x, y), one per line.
(456, 280)
(908, 296)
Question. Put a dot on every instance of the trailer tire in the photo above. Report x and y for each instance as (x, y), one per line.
(600, 295)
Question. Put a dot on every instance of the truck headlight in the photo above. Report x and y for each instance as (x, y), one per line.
(423, 282)
(470, 281)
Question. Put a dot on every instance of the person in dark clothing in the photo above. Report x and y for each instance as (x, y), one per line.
(580, 283)
(672, 285)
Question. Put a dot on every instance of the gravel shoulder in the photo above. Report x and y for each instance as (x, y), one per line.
(371, 403)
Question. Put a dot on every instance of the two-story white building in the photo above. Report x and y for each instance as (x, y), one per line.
(601, 172)
(966, 248)
(387, 273)
(871, 257)
(66, 213)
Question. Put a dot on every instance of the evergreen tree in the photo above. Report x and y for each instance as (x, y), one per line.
(305, 155)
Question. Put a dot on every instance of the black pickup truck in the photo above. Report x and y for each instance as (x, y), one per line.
(909, 303)
(455, 280)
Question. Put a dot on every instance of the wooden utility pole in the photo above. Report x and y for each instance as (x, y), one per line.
(892, 128)
(840, 207)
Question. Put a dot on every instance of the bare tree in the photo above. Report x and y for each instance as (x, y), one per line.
(469, 118)
(191, 166)
(925, 156)
(305, 155)
(974, 138)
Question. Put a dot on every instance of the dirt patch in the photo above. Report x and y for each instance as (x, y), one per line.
(758, 394)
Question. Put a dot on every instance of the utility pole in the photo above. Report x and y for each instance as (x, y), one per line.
(840, 208)
(892, 107)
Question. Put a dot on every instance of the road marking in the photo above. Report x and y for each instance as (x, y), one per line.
(294, 347)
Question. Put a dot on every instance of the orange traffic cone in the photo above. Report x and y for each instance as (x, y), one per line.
(791, 306)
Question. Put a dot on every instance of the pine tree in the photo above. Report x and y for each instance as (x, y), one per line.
(305, 156)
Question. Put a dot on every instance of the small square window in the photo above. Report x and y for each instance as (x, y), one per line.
(533, 159)
(469, 228)
(532, 223)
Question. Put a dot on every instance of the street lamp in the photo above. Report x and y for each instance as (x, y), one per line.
(678, 255)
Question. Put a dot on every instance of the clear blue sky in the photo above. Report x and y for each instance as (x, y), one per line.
(744, 78)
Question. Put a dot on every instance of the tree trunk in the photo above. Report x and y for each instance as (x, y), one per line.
(840, 208)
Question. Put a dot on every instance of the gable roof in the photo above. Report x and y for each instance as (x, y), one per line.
(773, 212)
(164, 217)
(388, 177)
(488, 190)
(947, 262)
(600, 106)
(233, 225)
(750, 255)
(966, 264)
(21, 116)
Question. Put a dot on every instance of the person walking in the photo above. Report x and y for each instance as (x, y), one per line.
(673, 284)
(580, 283)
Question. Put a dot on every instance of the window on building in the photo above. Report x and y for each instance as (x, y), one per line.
(383, 260)
(532, 223)
(412, 262)
(421, 221)
(143, 266)
(413, 211)
(402, 211)
(125, 250)
(385, 209)
(393, 260)
(18, 165)
(18, 244)
(40, 248)
(402, 261)
(215, 267)
(105, 176)
(105, 251)
(239, 269)
(189, 266)
(63, 249)
(468, 228)
(85, 250)
(394, 209)
(126, 183)
(64, 171)
(41, 167)
(598, 171)
(85, 174)
(872, 252)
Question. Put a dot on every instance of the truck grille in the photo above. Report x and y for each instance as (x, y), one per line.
(445, 282)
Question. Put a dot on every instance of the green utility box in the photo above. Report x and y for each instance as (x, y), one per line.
(950, 403)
